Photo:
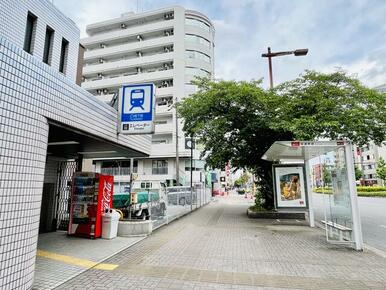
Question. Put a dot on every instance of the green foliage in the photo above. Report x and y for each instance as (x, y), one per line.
(242, 180)
(358, 173)
(327, 178)
(360, 189)
(373, 194)
(381, 169)
(371, 188)
(239, 121)
(333, 106)
(232, 120)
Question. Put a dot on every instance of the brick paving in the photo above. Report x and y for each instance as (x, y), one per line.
(218, 247)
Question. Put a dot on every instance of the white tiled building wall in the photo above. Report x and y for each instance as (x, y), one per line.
(31, 93)
(13, 18)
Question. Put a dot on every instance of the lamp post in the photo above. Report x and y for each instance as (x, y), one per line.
(270, 55)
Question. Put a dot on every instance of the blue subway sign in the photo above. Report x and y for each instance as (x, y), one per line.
(136, 109)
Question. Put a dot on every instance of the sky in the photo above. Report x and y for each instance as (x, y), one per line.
(340, 34)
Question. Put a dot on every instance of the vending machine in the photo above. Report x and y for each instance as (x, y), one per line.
(91, 195)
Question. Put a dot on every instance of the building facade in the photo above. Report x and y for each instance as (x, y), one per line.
(366, 159)
(45, 119)
(167, 47)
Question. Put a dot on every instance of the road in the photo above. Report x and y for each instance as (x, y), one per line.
(373, 215)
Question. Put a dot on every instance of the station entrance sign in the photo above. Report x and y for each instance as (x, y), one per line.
(136, 109)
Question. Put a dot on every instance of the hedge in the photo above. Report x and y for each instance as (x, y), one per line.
(359, 189)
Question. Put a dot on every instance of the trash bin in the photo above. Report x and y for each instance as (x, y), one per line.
(110, 221)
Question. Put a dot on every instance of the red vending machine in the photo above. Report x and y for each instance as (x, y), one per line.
(91, 195)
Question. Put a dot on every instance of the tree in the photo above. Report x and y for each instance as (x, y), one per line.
(333, 106)
(358, 173)
(327, 178)
(381, 170)
(242, 180)
(239, 121)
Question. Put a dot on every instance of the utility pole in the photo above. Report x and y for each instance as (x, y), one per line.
(191, 171)
(177, 151)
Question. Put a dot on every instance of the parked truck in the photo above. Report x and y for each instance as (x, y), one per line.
(146, 198)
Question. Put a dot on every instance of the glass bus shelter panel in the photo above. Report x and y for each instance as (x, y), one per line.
(338, 211)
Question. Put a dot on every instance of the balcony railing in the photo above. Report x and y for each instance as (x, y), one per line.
(159, 170)
(116, 171)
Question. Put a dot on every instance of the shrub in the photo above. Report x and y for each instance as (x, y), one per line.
(371, 188)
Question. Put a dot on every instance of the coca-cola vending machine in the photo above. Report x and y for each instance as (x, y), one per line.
(91, 195)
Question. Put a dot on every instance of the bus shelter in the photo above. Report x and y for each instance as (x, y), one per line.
(301, 168)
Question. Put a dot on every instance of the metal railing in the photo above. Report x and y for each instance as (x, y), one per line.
(159, 170)
(116, 171)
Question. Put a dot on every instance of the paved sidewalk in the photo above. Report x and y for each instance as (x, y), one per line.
(61, 257)
(218, 247)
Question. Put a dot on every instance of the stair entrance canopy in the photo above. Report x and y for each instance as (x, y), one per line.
(303, 167)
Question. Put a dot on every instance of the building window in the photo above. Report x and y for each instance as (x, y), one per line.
(194, 71)
(30, 32)
(368, 157)
(63, 56)
(160, 167)
(197, 39)
(157, 142)
(198, 165)
(118, 167)
(198, 23)
(193, 54)
(48, 45)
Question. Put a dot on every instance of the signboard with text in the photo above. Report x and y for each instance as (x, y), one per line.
(136, 109)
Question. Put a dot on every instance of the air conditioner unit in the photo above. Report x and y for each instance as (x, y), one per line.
(166, 49)
(166, 16)
(139, 53)
(99, 92)
(101, 60)
(166, 66)
(105, 91)
(167, 33)
(165, 84)
(102, 45)
(123, 25)
(139, 70)
(100, 75)
(139, 38)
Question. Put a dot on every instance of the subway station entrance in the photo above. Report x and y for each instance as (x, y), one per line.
(301, 167)
(67, 151)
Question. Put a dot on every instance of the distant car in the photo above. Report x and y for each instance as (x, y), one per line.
(241, 191)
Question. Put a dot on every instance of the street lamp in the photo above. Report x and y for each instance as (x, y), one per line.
(297, 52)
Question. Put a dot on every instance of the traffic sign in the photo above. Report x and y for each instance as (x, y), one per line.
(136, 109)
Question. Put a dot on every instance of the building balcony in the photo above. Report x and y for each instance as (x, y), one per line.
(122, 49)
(122, 65)
(163, 150)
(164, 128)
(121, 34)
(161, 92)
(122, 79)
(116, 171)
(164, 111)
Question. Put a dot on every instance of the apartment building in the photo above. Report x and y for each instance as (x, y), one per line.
(366, 159)
(167, 47)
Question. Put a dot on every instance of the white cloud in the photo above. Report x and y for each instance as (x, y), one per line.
(338, 33)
